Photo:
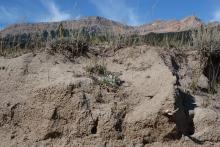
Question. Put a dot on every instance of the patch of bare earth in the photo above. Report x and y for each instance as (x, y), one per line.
(47, 100)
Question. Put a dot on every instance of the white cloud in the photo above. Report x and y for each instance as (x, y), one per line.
(54, 12)
(117, 10)
(7, 15)
(78, 17)
(216, 16)
(154, 6)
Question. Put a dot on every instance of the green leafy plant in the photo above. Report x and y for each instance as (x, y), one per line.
(111, 80)
(104, 77)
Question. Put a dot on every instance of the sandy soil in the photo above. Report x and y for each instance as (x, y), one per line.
(47, 100)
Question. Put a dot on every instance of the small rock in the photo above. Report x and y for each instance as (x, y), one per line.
(139, 145)
(203, 82)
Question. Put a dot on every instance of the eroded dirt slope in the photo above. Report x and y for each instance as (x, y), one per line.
(47, 100)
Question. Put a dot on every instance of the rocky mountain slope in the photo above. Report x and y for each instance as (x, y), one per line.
(171, 26)
(94, 24)
(97, 24)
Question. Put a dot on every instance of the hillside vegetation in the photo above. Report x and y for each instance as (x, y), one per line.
(96, 30)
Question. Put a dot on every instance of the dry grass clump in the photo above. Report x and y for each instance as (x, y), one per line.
(68, 47)
(97, 69)
(207, 40)
(193, 85)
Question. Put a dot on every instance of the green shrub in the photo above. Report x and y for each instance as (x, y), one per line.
(104, 77)
(111, 80)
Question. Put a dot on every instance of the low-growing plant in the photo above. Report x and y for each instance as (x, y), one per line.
(105, 77)
(97, 69)
(98, 95)
(193, 85)
(111, 80)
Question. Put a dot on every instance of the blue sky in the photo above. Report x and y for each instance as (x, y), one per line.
(132, 12)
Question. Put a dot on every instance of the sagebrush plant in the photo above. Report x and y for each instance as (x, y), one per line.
(106, 78)
(111, 80)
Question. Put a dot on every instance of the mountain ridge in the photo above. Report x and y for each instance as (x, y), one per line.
(104, 24)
